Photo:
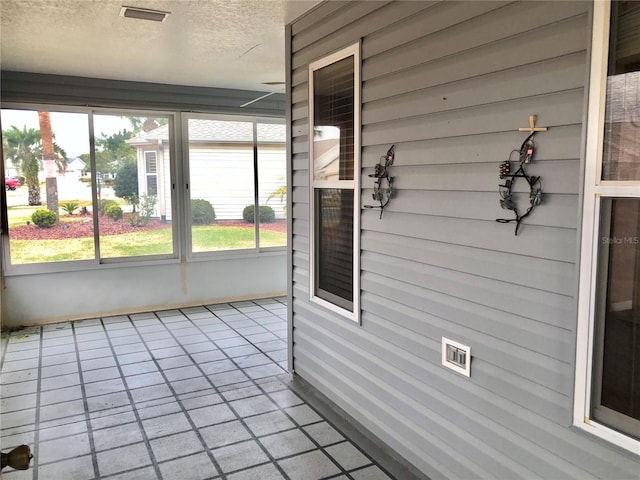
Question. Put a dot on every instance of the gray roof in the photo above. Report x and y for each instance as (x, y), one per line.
(218, 131)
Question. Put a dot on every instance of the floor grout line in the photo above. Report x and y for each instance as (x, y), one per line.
(135, 412)
(92, 447)
(36, 425)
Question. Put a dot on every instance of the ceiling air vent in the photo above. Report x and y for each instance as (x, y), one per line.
(144, 14)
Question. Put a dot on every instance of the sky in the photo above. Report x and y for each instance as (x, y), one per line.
(71, 130)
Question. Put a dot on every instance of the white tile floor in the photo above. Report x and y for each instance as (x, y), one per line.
(191, 394)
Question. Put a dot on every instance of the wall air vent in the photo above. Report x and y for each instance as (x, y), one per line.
(456, 356)
(143, 14)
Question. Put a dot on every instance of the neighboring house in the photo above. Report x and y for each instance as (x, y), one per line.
(75, 167)
(372, 298)
(221, 165)
(11, 171)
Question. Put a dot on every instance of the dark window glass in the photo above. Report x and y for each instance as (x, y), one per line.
(151, 168)
(333, 134)
(334, 250)
(617, 379)
(621, 153)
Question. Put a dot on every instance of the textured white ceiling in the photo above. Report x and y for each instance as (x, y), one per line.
(213, 43)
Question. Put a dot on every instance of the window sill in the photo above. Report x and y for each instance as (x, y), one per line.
(88, 265)
(335, 309)
(609, 435)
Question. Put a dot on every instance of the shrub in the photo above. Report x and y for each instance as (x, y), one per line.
(125, 184)
(202, 212)
(69, 207)
(43, 218)
(104, 204)
(265, 212)
(147, 206)
(114, 211)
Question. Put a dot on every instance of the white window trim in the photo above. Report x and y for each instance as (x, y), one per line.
(594, 190)
(352, 50)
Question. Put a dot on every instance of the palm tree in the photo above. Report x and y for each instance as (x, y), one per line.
(24, 149)
(49, 160)
(51, 151)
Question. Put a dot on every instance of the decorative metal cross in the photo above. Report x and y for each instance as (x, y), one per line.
(532, 126)
(525, 155)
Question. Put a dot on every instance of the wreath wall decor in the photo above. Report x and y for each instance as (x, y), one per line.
(525, 155)
(383, 184)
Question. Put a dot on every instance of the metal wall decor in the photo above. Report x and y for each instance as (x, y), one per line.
(525, 155)
(383, 184)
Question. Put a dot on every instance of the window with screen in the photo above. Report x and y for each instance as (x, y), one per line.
(616, 385)
(608, 351)
(334, 179)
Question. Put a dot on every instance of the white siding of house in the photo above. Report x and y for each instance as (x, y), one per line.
(272, 175)
(449, 83)
(224, 176)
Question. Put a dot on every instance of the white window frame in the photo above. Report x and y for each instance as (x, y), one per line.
(352, 50)
(595, 190)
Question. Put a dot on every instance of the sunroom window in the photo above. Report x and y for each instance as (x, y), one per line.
(118, 175)
(102, 203)
(237, 183)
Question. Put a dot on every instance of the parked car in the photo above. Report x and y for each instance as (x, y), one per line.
(11, 183)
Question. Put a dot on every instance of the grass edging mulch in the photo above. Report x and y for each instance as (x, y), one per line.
(82, 227)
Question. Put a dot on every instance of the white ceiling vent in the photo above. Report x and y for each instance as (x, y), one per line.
(144, 13)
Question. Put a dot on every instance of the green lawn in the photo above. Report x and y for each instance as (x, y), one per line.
(208, 238)
(36, 251)
(150, 242)
(20, 215)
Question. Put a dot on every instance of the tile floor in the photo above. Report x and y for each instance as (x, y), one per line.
(191, 394)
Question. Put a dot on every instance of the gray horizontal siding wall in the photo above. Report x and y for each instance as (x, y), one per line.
(449, 83)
